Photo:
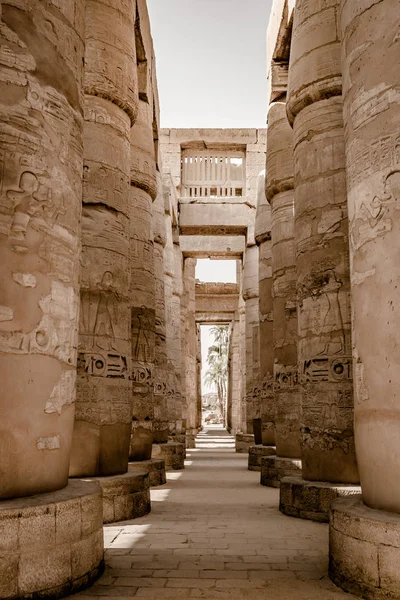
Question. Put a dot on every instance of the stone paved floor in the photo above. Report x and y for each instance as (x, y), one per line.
(215, 533)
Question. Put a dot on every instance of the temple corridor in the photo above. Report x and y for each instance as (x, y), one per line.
(214, 532)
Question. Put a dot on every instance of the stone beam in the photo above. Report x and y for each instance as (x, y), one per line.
(214, 318)
(212, 246)
(216, 218)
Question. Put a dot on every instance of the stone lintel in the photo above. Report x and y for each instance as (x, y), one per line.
(256, 453)
(155, 468)
(212, 246)
(311, 499)
(63, 529)
(216, 219)
(211, 318)
(364, 549)
(125, 496)
(274, 468)
(173, 454)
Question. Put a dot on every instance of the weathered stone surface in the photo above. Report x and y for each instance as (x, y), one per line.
(311, 499)
(279, 191)
(41, 187)
(274, 468)
(364, 549)
(321, 243)
(243, 441)
(155, 468)
(257, 453)
(372, 121)
(51, 529)
(125, 496)
(172, 453)
(104, 390)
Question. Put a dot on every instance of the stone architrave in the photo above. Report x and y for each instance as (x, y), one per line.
(314, 108)
(280, 194)
(41, 154)
(104, 389)
(143, 192)
(266, 376)
(371, 92)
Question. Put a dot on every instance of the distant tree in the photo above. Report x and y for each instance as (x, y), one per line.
(217, 360)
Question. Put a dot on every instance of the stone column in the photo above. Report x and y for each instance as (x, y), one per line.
(142, 291)
(280, 194)
(40, 205)
(370, 54)
(314, 108)
(263, 239)
(166, 381)
(104, 391)
(250, 297)
(160, 425)
(41, 152)
(234, 400)
(189, 350)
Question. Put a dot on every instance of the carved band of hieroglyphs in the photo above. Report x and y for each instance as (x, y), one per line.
(286, 378)
(107, 403)
(103, 365)
(365, 160)
(325, 369)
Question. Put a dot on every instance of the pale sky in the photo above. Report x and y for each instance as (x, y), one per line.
(211, 61)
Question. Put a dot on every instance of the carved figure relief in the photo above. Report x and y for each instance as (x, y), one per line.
(141, 352)
(373, 218)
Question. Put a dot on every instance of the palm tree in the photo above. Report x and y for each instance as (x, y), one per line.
(217, 361)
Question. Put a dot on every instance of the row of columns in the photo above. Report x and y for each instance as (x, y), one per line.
(332, 182)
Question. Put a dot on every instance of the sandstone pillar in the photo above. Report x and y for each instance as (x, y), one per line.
(104, 391)
(314, 108)
(189, 350)
(263, 239)
(40, 205)
(142, 291)
(167, 406)
(234, 421)
(250, 297)
(370, 58)
(41, 151)
(280, 194)
(160, 425)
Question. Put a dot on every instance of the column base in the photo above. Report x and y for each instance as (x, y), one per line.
(243, 441)
(126, 496)
(173, 454)
(257, 453)
(311, 499)
(155, 468)
(364, 549)
(274, 468)
(51, 544)
(191, 439)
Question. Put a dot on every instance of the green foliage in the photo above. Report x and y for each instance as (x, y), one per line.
(217, 360)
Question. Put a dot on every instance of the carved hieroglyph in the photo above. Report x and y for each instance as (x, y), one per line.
(280, 193)
(371, 54)
(40, 203)
(266, 376)
(104, 389)
(142, 292)
(321, 242)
